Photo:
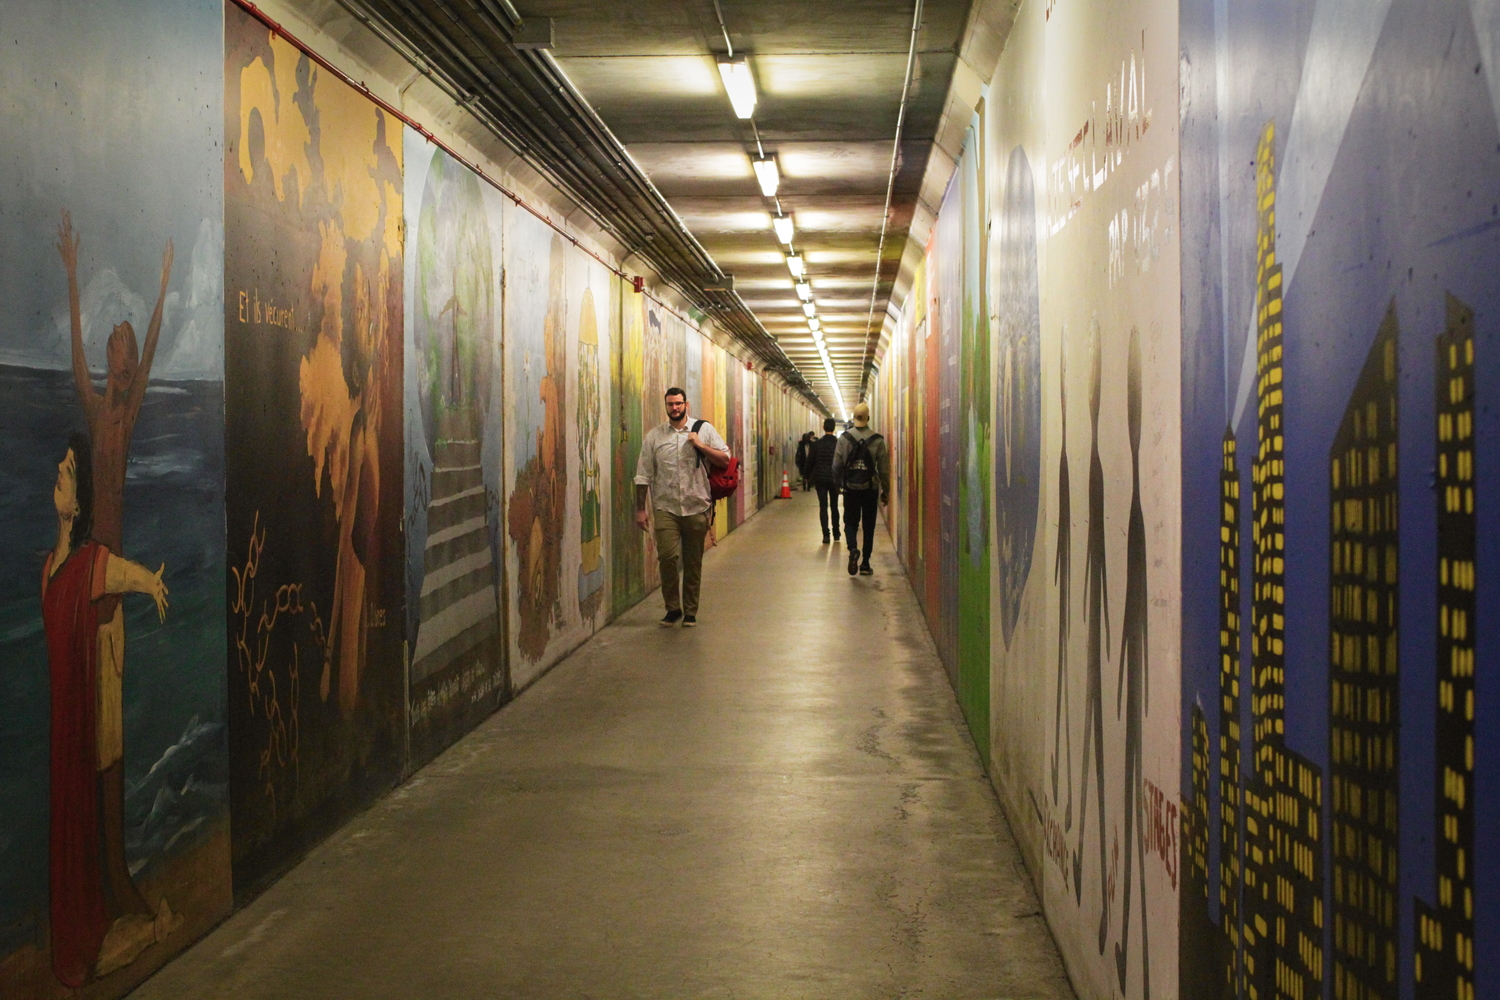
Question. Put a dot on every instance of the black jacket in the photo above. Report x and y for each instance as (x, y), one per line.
(820, 460)
(803, 447)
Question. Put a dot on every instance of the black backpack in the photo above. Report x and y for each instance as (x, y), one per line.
(859, 467)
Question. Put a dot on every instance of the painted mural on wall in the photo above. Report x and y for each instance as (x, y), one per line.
(1017, 321)
(1052, 276)
(628, 564)
(537, 449)
(209, 544)
(945, 286)
(975, 380)
(1339, 308)
(114, 822)
(589, 334)
(453, 419)
(558, 343)
(313, 404)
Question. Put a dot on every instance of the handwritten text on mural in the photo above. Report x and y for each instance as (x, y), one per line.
(1098, 148)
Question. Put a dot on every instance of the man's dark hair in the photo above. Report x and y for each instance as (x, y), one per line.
(674, 391)
(83, 483)
(829, 424)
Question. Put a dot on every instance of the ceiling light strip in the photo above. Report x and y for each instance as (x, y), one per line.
(766, 173)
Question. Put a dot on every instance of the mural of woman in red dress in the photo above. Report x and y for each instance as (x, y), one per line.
(92, 934)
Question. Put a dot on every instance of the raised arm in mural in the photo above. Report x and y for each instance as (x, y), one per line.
(1132, 689)
(127, 373)
(111, 421)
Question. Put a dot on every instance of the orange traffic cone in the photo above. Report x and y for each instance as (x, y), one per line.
(786, 486)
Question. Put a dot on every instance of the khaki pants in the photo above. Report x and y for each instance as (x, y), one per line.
(679, 549)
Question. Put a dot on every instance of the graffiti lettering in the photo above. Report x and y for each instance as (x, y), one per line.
(1054, 840)
(1098, 148)
(474, 684)
(1142, 231)
(1161, 828)
(253, 310)
(263, 682)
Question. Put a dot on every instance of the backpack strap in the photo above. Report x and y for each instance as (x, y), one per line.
(697, 426)
(713, 505)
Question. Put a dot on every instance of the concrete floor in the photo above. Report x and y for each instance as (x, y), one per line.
(781, 803)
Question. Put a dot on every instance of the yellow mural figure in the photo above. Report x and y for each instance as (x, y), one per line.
(536, 512)
(628, 565)
(342, 421)
(591, 567)
(327, 150)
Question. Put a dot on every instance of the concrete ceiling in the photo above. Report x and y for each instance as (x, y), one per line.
(829, 77)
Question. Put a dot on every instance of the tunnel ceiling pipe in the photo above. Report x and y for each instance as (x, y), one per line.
(890, 187)
(525, 99)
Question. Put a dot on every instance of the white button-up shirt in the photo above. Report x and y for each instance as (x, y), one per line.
(676, 471)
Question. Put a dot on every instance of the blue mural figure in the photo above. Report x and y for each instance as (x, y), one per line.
(1018, 445)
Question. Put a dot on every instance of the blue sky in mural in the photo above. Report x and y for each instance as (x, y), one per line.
(1388, 192)
(131, 146)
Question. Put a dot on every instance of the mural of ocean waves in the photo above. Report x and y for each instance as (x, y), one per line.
(175, 752)
(187, 787)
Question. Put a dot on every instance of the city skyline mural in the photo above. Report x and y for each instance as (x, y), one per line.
(1335, 326)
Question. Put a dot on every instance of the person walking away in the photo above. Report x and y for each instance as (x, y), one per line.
(803, 466)
(820, 471)
(861, 467)
(674, 463)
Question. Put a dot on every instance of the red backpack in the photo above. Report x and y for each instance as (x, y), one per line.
(721, 482)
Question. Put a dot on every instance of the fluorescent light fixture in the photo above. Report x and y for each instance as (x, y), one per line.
(739, 84)
(795, 265)
(804, 291)
(767, 174)
(784, 228)
(809, 310)
(815, 325)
